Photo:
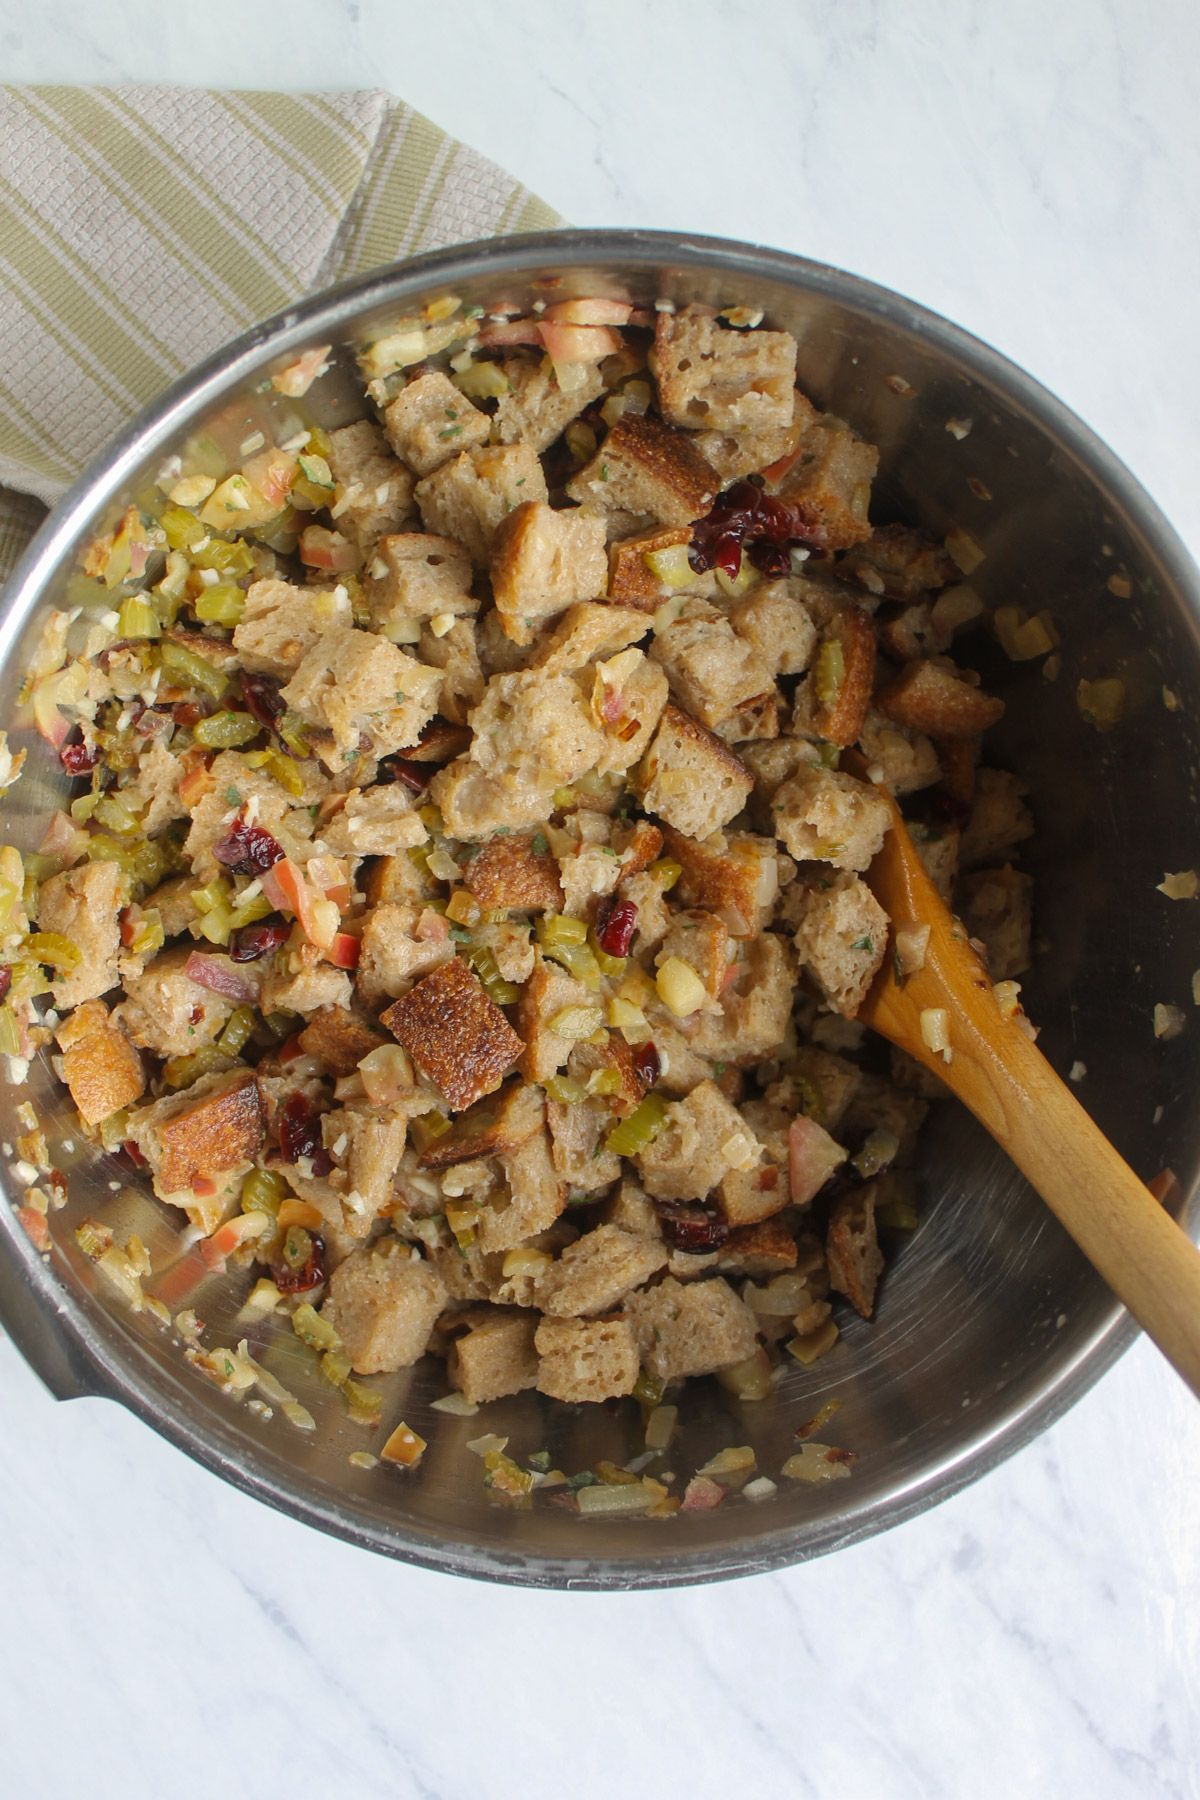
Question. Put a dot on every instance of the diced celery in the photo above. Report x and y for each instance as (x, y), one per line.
(213, 893)
(576, 1022)
(631, 1136)
(217, 924)
(191, 670)
(137, 619)
(604, 1081)
(109, 811)
(225, 729)
(313, 1330)
(279, 767)
(613, 966)
(481, 959)
(365, 1403)
(666, 872)
(222, 604)
(12, 881)
(52, 949)
(181, 1071)
(183, 528)
(148, 935)
(297, 1246)
(237, 1031)
(565, 1089)
(830, 672)
(263, 1191)
(294, 733)
(10, 1032)
(245, 912)
(227, 558)
(577, 960)
(336, 1367)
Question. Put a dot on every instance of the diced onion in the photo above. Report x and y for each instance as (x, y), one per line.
(935, 1029)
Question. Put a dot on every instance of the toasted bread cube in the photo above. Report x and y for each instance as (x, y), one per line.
(456, 655)
(824, 816)
(477, 804)
(83, 905)
(770, 765)
(418, 576)
(340, 1038)
(750, 1196)
(905, 760)
(166, 1011)
(777, 627)
(548, 992)
(691, 1330)
(306, 990)
(577, 1134)
(646, 468)
(235, 784)
(157, 787)
(938, 847)
(511, 945)
(839, 718)
(702, 1138)
(829, 474)
(542, 400)
(819, 1083)
(382, 1303)
(431, 420)
(586, 1359)
(690, 778)
(101, 1067)
(594, 1274)
(997, 909)
(173, 903)
(700, 940)
(454, 1033)
(492, 1127)
(739, 881)
(467, 498)
(852, 1248)
(496, 1357)
(712, 376)
(356, 684)
(535, 1196)
(381, 822)
(538, 726)
(367, 1144)
(215, 1126)
(516, 871)
(376, 491)
(397, 881)
(878, 1105)
(281, 623)
(899, 563)
(736, 454)
(928, 696)
(754, 1010)
(842, 939)
(586, 633)
(711, 670)
(618, 1056)
(767, 1248)
(544, 561)
(631, 580)
(999, 818)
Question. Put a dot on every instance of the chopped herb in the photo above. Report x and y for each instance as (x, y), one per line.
(232, 797)
(539, 1460)
(585, 1478)
(719, 1068)
(451, 413)
(604, 471)
(503, 830)
(451, 431)
(539, 846)
(521, 483)
(401, 698)
(460, 936)
(863, 943)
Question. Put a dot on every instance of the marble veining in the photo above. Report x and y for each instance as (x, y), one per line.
(1030, 171)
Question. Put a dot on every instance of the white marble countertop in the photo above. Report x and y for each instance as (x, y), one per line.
(1030, 171)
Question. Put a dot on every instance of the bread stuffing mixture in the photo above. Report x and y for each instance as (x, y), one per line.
(461, 915)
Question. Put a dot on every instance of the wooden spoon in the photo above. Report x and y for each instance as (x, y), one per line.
(1147, 1260)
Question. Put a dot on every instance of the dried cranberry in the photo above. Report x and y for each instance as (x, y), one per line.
(77, 758)
(616, 934)
(264, 701)
(300, 1135)
(690, 1228)
(767, 525)
(253, 941)
(298, 1281)
(187, 712)
(248, 849)
(647, 1064)
(414, 776)
(5, 979)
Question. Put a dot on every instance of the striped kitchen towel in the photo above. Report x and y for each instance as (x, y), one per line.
(142, 227)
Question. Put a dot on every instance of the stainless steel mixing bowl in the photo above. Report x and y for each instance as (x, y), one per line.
(990, 1324)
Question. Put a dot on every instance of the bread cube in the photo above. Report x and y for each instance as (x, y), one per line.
(359, 685)
(392, 956)
(376, 491)
(100, 1066)
(416, 575)
(594, 1274)
(754, 1010)
(515, 871)
(878, 1105)
(646, 468)
(711, 376)
(777, 627)
(711, 670)
(997, 909)
(700, 940)
(702, 1138)
(586, 633)
(382, 1303)
(208, 1132)
(281, 623)
(931, 697)
(454, 1033)
(577, 1134)
(830, 475)
(842, 938)
(380, 822)
(631, 580)
(157, 788)
(431, 420)
(83, 905)
(852, 1248)
(735, 455)
(340, 1039)
(738, 880)
(549, 991)
(454, 652)
(542, 400)
(167, 1012)
(819, 1083)
(586, 1359)
(236, 785)
(496, 1357)
(492, 1127)
(397, 881)
(544, 561)
(937, 846)
(533, 1199)
(824, 816)
(906, 760)
(767, 1248)
(689, 777)
(537, 726)
(691, 1330)
(837, 715)
(467, 498)
(306, 990)
(999, 818)
(366, 1145)
(899, 563)
(475, 804)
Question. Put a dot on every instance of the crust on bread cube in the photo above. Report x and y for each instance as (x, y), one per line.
(899, 563)
(766, 1248)
(691, 1330)
(495, 1357)
(594, 1274)
(700, 940)
(711, 376)
(382, 1303)
(646, 468)
(340, 1039)
(822, 815)
(842, 938)
(701, 1139)
(690, 778)
(542, 400)
(544, 561)
(586, 1359)
(631, 579)
(99, 1064)
(376, 491)
(997, 909)
(454, 1033)
(549, 991)
(83, 905)
(932, 697)
(494, 1126)
(212, 1128)
(712, 671)
(416, 575)
(852, 1248)
(738, 879)
(515, 871)
(938, 847)
(431, 420)
(467, 498)
(281, 623)
(358, 685)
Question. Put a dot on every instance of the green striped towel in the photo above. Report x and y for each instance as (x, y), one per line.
(142, 227)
